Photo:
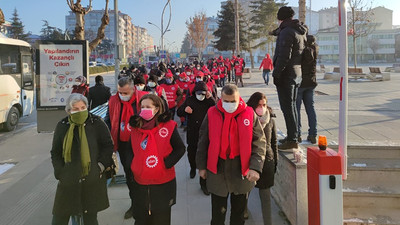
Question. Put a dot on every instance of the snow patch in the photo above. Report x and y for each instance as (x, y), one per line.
(6, 166)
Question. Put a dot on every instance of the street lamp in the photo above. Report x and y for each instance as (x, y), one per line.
(162, 23)
(162, 35)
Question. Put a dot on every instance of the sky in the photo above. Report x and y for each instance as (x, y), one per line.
(32, 12)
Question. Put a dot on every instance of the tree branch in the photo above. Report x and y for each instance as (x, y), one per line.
(105, 20)
(2, 20)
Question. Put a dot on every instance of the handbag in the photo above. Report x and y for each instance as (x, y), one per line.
(112, 170)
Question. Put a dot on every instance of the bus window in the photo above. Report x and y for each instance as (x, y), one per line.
(9, 61)
(27, 72)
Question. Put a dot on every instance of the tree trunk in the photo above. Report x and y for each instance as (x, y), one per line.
(251, 58)
(79, 26)
(302, 11)
(237, 40)
(2, 20)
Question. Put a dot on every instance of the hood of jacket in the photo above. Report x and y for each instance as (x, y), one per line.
(295, 24)
(267, 56)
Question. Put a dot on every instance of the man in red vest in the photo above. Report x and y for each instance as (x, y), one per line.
(230, 154)
(121, 107)
(173, 92)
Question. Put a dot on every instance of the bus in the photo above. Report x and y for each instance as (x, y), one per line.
(16, 81)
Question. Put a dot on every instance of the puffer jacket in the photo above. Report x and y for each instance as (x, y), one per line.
(288, 52)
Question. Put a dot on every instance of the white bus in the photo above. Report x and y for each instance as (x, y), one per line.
(16, 81)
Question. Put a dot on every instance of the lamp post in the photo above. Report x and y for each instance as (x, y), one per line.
(116, 30)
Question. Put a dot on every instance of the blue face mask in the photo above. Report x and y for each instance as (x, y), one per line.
(169, 81)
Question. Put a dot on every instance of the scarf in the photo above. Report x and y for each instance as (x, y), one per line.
(77, 119)
(264, 119)
(127, 112)
(230, 132)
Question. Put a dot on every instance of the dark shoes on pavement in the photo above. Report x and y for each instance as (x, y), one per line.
(204, 189)
(192, 173)
(129, 213)
(312, 139)
(288, 145)
(299, 140)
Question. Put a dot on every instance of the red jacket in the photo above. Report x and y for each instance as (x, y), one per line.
(81, 89)
(222, 71)
(267, 64)
(150, 148)
(114, 108)
(244, 129)
(215, 73)
(170, 91)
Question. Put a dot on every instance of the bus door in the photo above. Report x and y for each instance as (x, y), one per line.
(27, 86)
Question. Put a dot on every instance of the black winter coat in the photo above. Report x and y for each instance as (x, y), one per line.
(288, 51)
(271, 155)
(98, 95)
(195, 119)
(309, 66)
(76, 195)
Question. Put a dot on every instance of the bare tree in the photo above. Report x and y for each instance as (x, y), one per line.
(374, 45)
(198, 32)
(2, 20)
(360, 22)
(80, 13)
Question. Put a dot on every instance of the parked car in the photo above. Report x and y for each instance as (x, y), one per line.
(100, 64)
(92, 64)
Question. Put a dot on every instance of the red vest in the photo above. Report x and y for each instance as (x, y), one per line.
(184, 86)
(150, 148)
(114, 107)
(215, 73)
(245, 130)
(222, 71)
(170, 91)
(238, 70)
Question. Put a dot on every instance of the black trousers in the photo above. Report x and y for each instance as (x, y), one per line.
(159, 218)
(172, 112)
(191, 153)
(126, 156)
(219, 208)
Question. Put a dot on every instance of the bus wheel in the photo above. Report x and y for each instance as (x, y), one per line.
(12, 119)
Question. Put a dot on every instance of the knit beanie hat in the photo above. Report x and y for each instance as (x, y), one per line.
(285, 12)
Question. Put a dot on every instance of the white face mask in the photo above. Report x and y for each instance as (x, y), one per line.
(188, 73)
(77, 83)
(125, 98)
(200, 97)
(199, 79)
(140, 87)
(151, 84)
(230, 107)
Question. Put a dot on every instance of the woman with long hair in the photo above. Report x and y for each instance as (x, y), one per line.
(157, 147)
(258, 101)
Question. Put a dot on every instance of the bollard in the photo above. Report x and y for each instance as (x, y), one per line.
(324, 181)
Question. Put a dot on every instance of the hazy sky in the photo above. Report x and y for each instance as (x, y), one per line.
(32, 12)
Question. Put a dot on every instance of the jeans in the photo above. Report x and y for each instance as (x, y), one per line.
(307, 96)
(219, 208)
(287, 94)
(266, 73)
(88, 219)
(222, 80)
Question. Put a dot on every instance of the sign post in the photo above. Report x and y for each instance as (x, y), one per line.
(59, 65)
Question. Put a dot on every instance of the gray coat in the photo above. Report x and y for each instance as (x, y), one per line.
(76, 195)
(229, 177)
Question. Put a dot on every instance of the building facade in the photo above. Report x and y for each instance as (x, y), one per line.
(132, 37)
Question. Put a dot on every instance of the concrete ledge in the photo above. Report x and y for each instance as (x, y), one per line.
(290, 189)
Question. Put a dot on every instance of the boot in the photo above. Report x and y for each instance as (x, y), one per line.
(192, 173)
(288, 145)
(129, 213)
(203, 186)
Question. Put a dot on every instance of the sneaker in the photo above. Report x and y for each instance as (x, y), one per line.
(192, 173)
(129, 213)
(312, 139)
(288, 145)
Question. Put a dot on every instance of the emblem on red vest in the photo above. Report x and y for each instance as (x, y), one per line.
(163, 132)
(173, 88)
(151, 161)
(246, 122)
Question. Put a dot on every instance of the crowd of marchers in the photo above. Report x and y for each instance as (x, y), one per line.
(231, 143)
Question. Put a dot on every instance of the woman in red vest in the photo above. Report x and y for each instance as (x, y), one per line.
(157, 147)
(238, 73)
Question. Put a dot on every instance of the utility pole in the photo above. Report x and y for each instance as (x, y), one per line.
(237, 40)
(162, 23)
(116, 30)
